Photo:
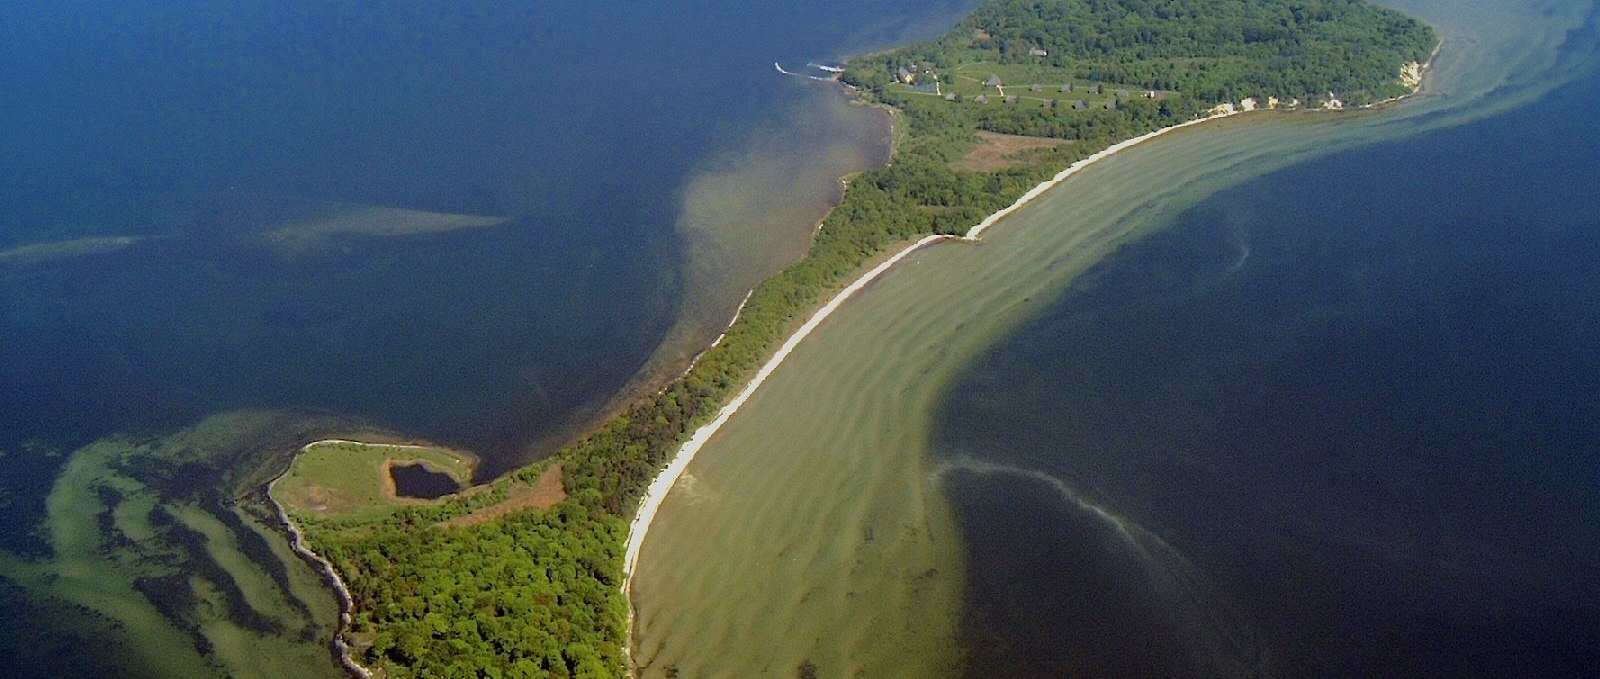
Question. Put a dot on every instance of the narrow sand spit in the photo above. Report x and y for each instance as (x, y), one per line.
(1072, 169)
(669, 475)
(664, 481)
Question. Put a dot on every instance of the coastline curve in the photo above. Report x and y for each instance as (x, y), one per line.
(330, 574)
(667, 478)
(669, 475)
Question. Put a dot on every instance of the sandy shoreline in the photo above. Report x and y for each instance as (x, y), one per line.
(1046, 185)
(662, 485)
(656, 493)
(658, 489)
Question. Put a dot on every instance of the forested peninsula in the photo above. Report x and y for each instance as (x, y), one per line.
(1013, 94)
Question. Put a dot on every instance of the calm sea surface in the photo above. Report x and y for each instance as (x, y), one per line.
(1340, 420)
(457, 221)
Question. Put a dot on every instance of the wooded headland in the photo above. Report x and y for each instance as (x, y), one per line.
(536, 593)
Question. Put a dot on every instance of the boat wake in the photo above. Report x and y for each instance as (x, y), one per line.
(830, 79)
(1203, 633)
(1241, 244)
(1068, 495)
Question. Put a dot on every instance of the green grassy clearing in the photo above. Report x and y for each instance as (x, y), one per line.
(969, 80)
(347, 480)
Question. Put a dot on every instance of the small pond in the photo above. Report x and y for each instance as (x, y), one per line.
(417, 481)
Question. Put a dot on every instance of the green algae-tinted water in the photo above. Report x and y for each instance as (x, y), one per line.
(814, 535)
(154, 569)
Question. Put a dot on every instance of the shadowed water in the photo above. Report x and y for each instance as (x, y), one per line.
(1145, 610)
(415, 480)
(1357, 397)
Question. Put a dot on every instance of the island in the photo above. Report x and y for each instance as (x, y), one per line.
(526, 575)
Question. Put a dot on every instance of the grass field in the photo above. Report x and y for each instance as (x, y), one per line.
(968, 81)
(348, 480)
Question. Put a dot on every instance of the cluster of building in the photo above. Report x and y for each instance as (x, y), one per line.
(922, 79)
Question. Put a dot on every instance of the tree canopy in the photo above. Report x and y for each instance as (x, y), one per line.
(1209, 50)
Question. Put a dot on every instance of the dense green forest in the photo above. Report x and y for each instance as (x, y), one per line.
(536, 593)
(1205, 50)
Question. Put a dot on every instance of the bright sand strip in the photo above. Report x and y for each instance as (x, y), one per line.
(669, 475)
(1072, 169)
(664, 481)
(775, 564)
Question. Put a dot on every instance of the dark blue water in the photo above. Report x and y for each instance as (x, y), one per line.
(201, 127)
(1343, 420)
(415, 480)
(206, 123)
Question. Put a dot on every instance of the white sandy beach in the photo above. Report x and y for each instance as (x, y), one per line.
(657, 492)
(669, 475)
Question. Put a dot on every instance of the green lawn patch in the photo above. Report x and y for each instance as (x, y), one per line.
(348, 480)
